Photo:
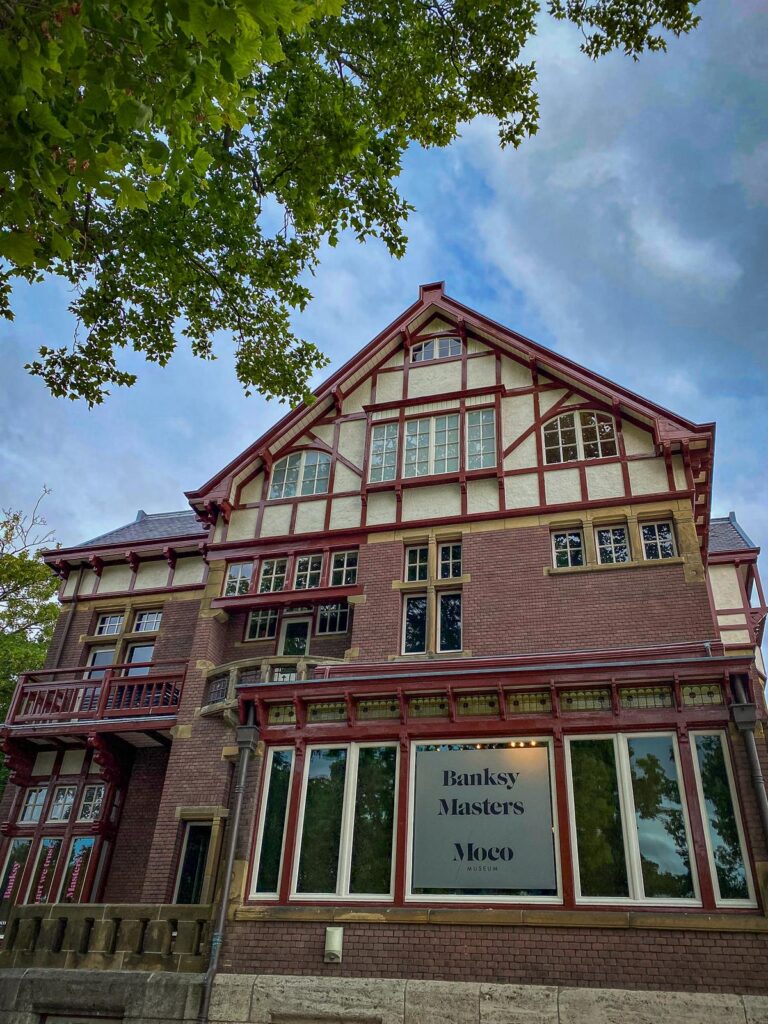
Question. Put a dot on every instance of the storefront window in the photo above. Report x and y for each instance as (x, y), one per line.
(599, 835)
(45, 868)
(321, 834)
(371, 868)
(15, 862)
(73, 881)
(273, 827)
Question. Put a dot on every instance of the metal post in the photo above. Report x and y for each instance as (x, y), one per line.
(247, 738)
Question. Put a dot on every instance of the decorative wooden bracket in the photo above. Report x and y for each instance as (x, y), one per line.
(169, 554)
(96, 564)
(133, 560)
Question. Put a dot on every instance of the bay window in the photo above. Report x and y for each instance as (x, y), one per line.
(33, 805)
(63, 801)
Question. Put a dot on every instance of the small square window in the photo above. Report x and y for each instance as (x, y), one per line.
(90, 807)
(612, 544)
(658, 541)
(332, 618)
(273, 572)
(109, 625)
(416, 560)
(568, 549)
(147, 622)
(450, 561)
(33, 805)
(308, 570)
(262, 624)
(238, 579)
(63, 802)
(344, 569)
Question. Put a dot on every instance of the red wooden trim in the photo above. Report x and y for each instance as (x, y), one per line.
(399, 403)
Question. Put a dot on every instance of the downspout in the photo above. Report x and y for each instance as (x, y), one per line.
(247, 739)
(745, 716)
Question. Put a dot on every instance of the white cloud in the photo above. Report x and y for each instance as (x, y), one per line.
(666, 252)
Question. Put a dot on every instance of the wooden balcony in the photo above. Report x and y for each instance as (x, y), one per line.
(77, 698)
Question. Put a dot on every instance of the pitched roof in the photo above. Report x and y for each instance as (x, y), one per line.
(725, 534)
(156, 526)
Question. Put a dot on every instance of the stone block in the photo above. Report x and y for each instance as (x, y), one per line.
(442, 1002)
(278, 998)
(617, 1006)
(130, 934)
(157, 937)
(26, 936)
(82, 993)
(756, 1009)
(187, 937)
(103, 936)
(51, 935)
(231, 997)
(77, 934)
(518, 1004)
(170, 997)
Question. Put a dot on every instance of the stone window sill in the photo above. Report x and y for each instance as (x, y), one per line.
(551, 570)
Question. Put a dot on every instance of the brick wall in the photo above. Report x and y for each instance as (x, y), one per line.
(176, 630)
(236, 649)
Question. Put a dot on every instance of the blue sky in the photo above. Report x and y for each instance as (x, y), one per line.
(629, 234)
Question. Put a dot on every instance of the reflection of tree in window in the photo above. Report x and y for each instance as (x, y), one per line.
(723, 830)
(274, 821)
(415, 625)
(599, 836)
(374, 814)
(659, 817)
(319, 862)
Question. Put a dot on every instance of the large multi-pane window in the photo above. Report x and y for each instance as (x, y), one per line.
(33, 805)
(332, 618)
(435, 348)
(629, 819)
(446, 453)
(62, 803)
(383, 452)
(308, 571)
(344, 569)
(262, 624)
(574, 436)
(481, 439)
(273, 572)
(90, 805)
(301, 473)
(431, 446)
(238, 579)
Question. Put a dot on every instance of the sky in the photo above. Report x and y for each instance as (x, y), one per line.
(629, 235)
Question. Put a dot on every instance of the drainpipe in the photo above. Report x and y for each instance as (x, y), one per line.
(745, 716)
(247, 739)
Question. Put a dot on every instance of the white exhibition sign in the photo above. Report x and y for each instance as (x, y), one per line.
(483, 820)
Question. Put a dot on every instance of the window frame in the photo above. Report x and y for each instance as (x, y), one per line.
(308, 572)
(188, 824)
(253, 893)
(284, 573)
(467, 417)
(230, 579)
(451, 561)
(386, 429)
(414, 597)
(627, 542)
(301, 475)
(86, 787)
(720, 902)
(407, 578)
(284, 623)
(62, 786)
(628, 823)
(20, 819)
(344, 569)
(439, 625)
(156, 613)
(579, 431)
(342, 609)
(104, 618)
(564, 532)
(656, 523)
(271, 614)
(436, 344)
(347, 832)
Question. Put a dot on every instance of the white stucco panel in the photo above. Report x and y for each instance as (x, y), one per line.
(381, 508)
(431, 502)
(726, 591)
(549, 398)
(481, 372)
(252, 490)
(483, 496)
(345, 479)
(389, 386)
(394, 360)
(276, 521)
(523, 456)
(678, 469)
(152, 575)
(310, 516)
(516, 417)
(514, 374)
(605, 481)
(522, 491)
(323, 432)
(636, 440)
(189, 571)
(561, 485)
(345, 513)
(356, 399)
(473, 346)
(69, 586)
(648, 476)
(72, 762)
(352, 441)
(44, 762)
(242, 524)
(434, 378)
(88, 583)
(114, 577)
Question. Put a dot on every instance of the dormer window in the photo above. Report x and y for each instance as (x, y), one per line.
(573, 437)
(302, 473)
(435, 348)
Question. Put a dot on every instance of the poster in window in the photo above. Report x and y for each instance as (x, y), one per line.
(14, 869)
(45, 869)
(483, 821)
(72, 883)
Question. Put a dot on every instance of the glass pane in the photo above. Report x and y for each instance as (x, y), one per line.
(274, 822)
(76, 870)
(192, 870)
(371, 868)
(319, 860)
(45, 869)
(721, 819)
(18, 852)
(599, 836)
(450, 622)
(137, 654)
(296, 638)
(659, 818)
(415, 625)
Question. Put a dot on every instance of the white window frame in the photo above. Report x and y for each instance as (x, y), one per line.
(344, 568)
(108, 619)
(452, 650)
(64, 787)
(22, 820)
(307, 573)
(341, 610)
(579, 429)
(628, 824)
(417, 564)
(411, 597)
(385, 472)
(237, 578)
(290, 622)
(583, 549)
(656, 523)
(751, 901)
(451, 561)
(612, 546)
(483, 457)
(86, 799)
(305, 474)
(346, 837)
(431, 446)
(270, 615)
(273, 575)
(254, 894)
(432, 348)
(410, 896)
(155, 615)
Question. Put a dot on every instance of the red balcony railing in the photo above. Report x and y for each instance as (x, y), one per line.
(93, 694)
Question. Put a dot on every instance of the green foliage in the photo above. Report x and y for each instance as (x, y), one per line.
(181, 162)
(28, 612)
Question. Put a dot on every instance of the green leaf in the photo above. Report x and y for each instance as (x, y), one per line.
(18, 247)
(201, 161)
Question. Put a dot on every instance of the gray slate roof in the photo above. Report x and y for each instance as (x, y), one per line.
(725, 534)
(157, 526)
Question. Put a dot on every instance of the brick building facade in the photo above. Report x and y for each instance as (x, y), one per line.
(490, 670)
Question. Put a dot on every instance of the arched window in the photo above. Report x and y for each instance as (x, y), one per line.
(304, 472)
(435, 348)
(579, 435)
